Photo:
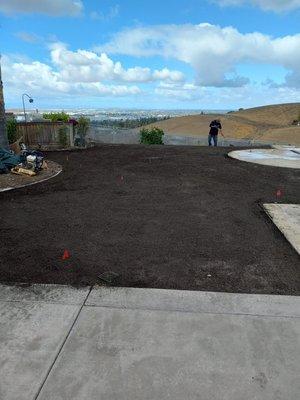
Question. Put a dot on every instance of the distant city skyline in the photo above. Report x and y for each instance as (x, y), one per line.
(191, 55)
(111, 114)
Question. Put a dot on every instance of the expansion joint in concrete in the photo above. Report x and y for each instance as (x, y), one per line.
(183, 311)
(63, 344)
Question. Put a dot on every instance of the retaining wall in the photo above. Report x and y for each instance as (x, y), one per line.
(108, 135)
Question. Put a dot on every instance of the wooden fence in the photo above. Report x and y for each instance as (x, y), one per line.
(45, 134)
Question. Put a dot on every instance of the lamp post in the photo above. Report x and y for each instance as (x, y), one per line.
(30, 101)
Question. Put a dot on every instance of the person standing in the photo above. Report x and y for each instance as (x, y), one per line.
(215, 127)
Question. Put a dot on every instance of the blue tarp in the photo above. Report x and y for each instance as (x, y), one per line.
(8, 160)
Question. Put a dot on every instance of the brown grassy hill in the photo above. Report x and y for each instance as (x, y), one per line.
(280, 114)
(269, 123)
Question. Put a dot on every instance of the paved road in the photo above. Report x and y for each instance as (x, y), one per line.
(61, 343)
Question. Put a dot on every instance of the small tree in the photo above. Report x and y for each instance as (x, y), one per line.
(62, 136)
(82, 128)
(151, 136)
(12, 130)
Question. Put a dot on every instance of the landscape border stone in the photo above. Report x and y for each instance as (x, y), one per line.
(6, 189)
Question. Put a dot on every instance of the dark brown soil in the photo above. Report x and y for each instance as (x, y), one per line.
(165, 217)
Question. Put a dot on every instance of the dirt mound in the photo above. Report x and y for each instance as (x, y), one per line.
(268, 123)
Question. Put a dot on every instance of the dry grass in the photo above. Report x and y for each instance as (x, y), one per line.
(280, 114)
(268, 123)
(289, 135)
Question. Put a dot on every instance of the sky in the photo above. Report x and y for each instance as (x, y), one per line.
(170, 54)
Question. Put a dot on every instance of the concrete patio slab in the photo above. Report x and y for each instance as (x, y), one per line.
(144, 355)
(33, 326)
(283, 157)
(194, 301)
(286, 147)
(287, 218)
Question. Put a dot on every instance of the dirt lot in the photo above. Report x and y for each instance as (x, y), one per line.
(167, 217)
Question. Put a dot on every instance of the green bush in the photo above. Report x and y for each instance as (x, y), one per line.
(83, 126)
(57, 116)
(12, 130)
(62, 136)
(151, 136)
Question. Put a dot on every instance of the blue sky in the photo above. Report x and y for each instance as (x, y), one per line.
(218, 54)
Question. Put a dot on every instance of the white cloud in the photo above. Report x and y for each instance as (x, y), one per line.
(39, 78)
(46, 84)
(212, 51)
(225, 98)
(267, 5)
(88, 66)
(28, 37)
(79, 73)
(113, 12)
(48, 7)
(183, 92)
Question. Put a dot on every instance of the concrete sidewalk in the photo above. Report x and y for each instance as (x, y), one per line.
(61, 343)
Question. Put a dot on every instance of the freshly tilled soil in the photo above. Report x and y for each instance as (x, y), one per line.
(157, 216)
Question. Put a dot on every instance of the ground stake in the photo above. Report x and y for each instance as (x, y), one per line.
(66, 255)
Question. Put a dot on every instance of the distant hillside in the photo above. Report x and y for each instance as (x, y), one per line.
(268, 123)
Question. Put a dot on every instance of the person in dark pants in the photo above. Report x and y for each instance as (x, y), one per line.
(215, 127)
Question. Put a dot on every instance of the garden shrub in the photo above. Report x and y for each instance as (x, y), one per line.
(82, 128)
(151, 136)
(62, 136)
(12, 130)
(57, 116)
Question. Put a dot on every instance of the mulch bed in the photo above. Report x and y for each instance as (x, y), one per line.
(157, 216)
(10, 180)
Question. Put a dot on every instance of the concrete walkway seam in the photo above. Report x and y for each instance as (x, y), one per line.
(62, 345)
(112, 307)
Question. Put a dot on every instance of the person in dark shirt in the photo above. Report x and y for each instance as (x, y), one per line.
(215, 127)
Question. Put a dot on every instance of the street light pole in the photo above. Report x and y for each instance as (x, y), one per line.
(24, 111)
(30, 101)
